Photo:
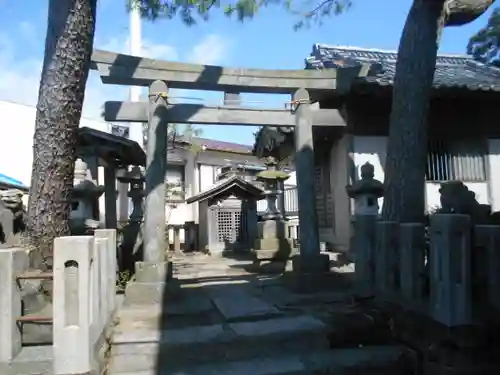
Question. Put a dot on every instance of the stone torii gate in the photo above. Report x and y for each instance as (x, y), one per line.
(160, 75)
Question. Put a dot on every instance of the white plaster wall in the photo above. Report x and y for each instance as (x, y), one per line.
(340, 162)
(292, 180)
(16, 140)
(208, 162)
(494, 173)
(372, 150)
(433, 196)
(206, 176)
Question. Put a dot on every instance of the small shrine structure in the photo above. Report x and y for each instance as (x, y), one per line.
(227, 224)
(115, 155)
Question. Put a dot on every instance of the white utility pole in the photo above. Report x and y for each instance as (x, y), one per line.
(135, 129)
(136, 133)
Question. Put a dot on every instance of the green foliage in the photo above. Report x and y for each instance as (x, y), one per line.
(309, 11)
(484, 46)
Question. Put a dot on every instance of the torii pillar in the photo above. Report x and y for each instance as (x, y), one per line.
(155, 267)
(309, 260)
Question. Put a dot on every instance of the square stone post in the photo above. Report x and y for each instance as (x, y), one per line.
(310, 259)
(122, 196)
(12, 262)
(110, 197)
(450, 276)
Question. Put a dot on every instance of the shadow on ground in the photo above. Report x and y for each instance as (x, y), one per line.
(231, 316)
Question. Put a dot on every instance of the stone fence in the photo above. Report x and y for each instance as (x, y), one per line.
(84, 300)
(449, 272)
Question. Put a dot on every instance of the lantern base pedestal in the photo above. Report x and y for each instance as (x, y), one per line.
(273, 248)
(272, 243)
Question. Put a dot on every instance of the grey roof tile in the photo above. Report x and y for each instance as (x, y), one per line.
(452, 71)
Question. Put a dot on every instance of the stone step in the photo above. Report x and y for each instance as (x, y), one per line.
(32, 360)
(139, 349)
(359, 361)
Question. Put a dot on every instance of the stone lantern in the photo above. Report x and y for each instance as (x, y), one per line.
(136, 179)
(272, 180)
(85, 201)
(272, 242)
(366, 192)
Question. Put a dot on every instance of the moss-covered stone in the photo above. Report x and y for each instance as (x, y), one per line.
(272, 175)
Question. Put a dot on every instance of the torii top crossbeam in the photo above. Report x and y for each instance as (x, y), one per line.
(119, 69)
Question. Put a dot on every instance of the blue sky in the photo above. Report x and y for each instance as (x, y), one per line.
(266, 42)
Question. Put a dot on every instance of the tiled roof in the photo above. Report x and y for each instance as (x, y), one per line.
(452, 71)
(215, 145)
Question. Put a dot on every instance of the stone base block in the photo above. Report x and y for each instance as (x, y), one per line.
(273, 248)
(143, 293)
(270, 229)
(157, 272)
(281, 247)
(319, 263)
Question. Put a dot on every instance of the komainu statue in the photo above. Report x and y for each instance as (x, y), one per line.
(12, 216)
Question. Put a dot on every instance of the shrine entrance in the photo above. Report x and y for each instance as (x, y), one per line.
(301, 114)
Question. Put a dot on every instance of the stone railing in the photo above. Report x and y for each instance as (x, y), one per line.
(13, 261)
(450, 274)
(83, 301)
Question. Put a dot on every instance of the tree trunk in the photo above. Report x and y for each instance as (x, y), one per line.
(404, 198)
(68, 50)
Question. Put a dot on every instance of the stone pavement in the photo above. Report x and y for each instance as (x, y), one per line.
(230, 320)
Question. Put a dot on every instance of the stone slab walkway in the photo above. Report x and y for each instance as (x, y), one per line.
(230, 320)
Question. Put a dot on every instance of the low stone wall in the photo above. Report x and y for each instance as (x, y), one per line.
(447, 272)
(84, 301)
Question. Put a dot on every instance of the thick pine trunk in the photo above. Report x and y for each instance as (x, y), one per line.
(68, 50)
(404, 199)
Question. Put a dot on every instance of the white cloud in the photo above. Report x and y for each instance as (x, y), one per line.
(21, 75)
(212, 50)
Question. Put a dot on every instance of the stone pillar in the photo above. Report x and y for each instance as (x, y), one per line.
(122, 196)
(450, 276)
(13, 261)
(281, 199)
(110, 197)
(153, 282)
(412, 263)
(156, 166)
(309, 259)
(365, 194)
(251, 214)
